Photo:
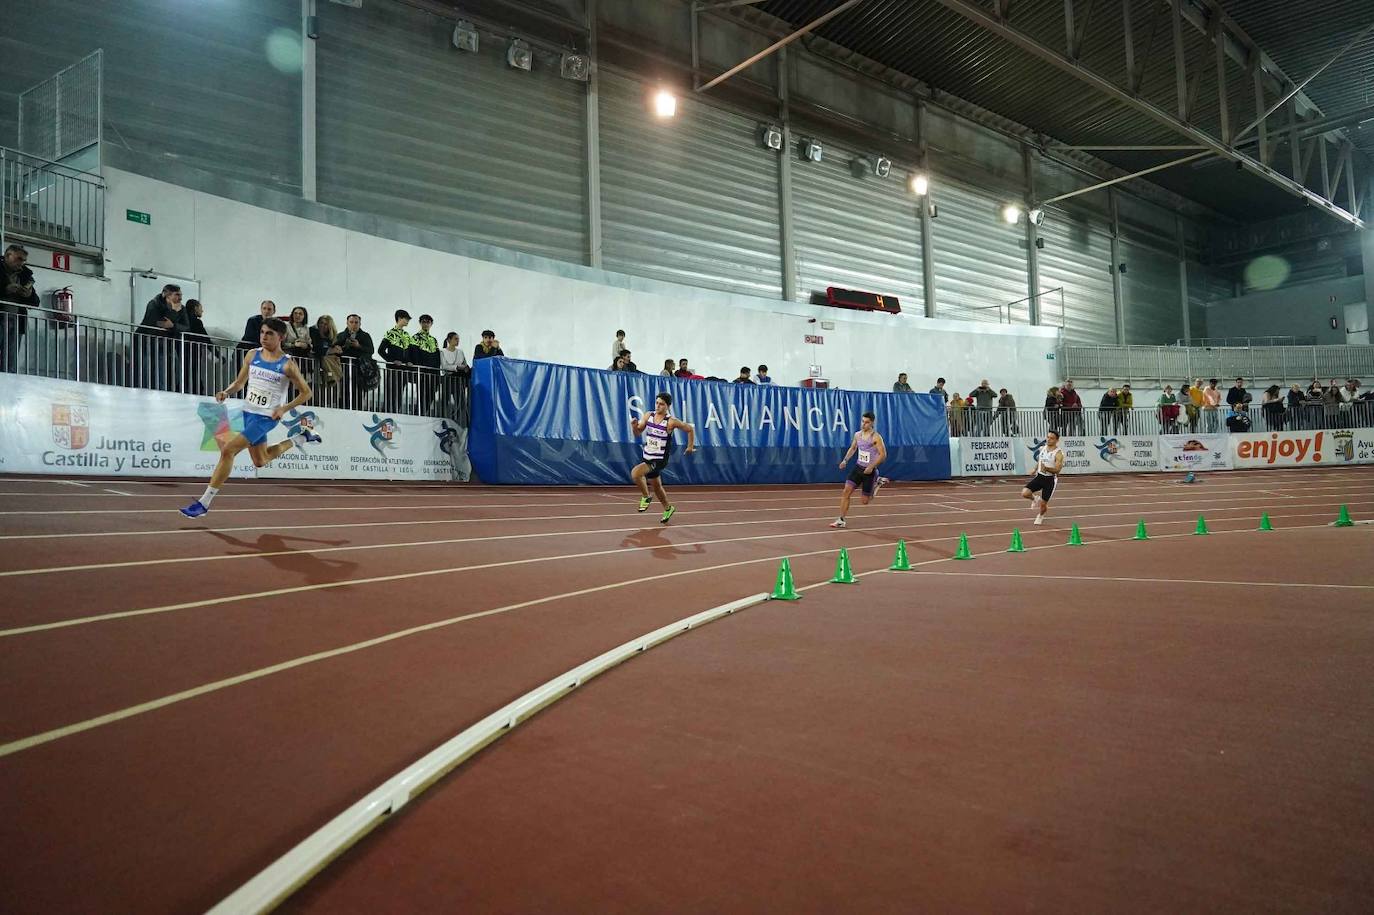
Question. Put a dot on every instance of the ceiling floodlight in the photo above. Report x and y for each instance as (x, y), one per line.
(465, 36)
(1036, 216)
(919, 184)
(770, 136)
(576, 67)
(519, 56)
(665, 103)
(809, 150)
(1011, 214)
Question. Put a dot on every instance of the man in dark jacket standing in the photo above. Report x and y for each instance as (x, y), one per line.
(252, 331)
(1073, 410)
(164, 321)
(355, 345)
(16, 292)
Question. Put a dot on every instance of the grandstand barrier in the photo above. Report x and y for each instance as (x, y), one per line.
(79, 429)
(537, 423)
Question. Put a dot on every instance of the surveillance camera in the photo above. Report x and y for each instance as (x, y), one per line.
(810, 320)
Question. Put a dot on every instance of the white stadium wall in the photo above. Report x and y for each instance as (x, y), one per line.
(541, 309)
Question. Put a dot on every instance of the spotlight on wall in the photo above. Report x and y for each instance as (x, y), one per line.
(576, 67)
(665, 103)
(1036, 216)
(770, 136)
(1011, 214)
(934, 211)
(864, 166)
(465, 36)
(919, 184)
(882, 166)
(809, 150)
(519, 55)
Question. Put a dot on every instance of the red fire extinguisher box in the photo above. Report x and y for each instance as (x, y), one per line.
(64, 304)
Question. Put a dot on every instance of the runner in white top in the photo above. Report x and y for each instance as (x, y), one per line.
(1040, 486)
(269, 375)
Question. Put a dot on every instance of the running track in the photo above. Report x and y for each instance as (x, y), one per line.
(185, 701)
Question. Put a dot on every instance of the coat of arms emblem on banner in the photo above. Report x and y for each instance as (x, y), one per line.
(71, 426)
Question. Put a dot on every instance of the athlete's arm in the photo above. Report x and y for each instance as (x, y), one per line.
(691, 431)
(638, 424)
(293, 373)
(1058, 464)
(240, 381)
(853, 446)
(882, 453)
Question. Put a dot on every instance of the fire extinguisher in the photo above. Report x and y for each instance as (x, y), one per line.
(64, 303)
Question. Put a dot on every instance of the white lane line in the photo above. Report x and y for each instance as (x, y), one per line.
(115, 491)
(1000, 504)
(163, 701)
(1159, 581)
(311, 551)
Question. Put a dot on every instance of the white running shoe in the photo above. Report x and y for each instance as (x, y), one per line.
(879, 484)
(1039, 519)
(838, 522)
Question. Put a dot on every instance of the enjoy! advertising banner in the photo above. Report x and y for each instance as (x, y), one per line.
(72, 428)
(1324, 448)
(1207, 451)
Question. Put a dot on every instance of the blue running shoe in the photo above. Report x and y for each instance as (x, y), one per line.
(194, 510)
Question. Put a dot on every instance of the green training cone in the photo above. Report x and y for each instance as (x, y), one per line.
(1343, 519)
(1265, 523)
(844, 575)
(1140, 530)
(1201, 526)
(900, 562)
(962, 552)
(1075, 538)
(1016, 545)
(785, 589)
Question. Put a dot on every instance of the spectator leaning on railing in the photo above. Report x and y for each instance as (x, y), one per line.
(395, 351)
(1239, 420)
(1072, 409)
(762, 375)
(196, 351)
(16, 292)
(984, 397)
(424, 353)
(1006, 409)
(1271, 405)
(355, 344)
(900, 386)
(297, 342)
(324, 340)
(489, 346)
(1125, 403)
(1211, 409)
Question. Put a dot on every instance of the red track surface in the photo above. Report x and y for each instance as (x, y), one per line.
(184, 702)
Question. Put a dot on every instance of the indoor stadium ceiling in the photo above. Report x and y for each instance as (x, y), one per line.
(943, 44)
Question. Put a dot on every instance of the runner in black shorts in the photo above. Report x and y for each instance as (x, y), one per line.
(864, 477)
(1040, 486)
(657, 428)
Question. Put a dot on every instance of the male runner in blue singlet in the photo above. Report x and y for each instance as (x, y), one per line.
(872, 452)
(269, 374)
(657, 428)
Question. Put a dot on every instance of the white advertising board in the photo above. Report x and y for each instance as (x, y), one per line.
(70, 428)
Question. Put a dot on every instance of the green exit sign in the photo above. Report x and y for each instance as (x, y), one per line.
(136, 216)
(1049, 356)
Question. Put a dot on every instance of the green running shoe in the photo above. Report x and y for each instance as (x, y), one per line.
(668, 514)
(644, 503)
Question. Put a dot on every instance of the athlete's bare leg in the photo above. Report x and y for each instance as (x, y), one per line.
(638, 476)
(844, 499)
(263, 455)
(661, 492)
(227, 454)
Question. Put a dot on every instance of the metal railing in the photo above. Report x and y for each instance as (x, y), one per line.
(46, 201)
(1160, 365)
(998, 423)
(51, 344)
(1248, 341)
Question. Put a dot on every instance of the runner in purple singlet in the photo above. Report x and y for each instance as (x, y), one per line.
(872, 452)
(657, 428)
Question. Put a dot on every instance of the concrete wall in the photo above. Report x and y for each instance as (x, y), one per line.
(1302, 311)
(540, 308)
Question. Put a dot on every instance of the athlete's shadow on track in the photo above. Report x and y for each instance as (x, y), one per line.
(314, 569)
(663, 547)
